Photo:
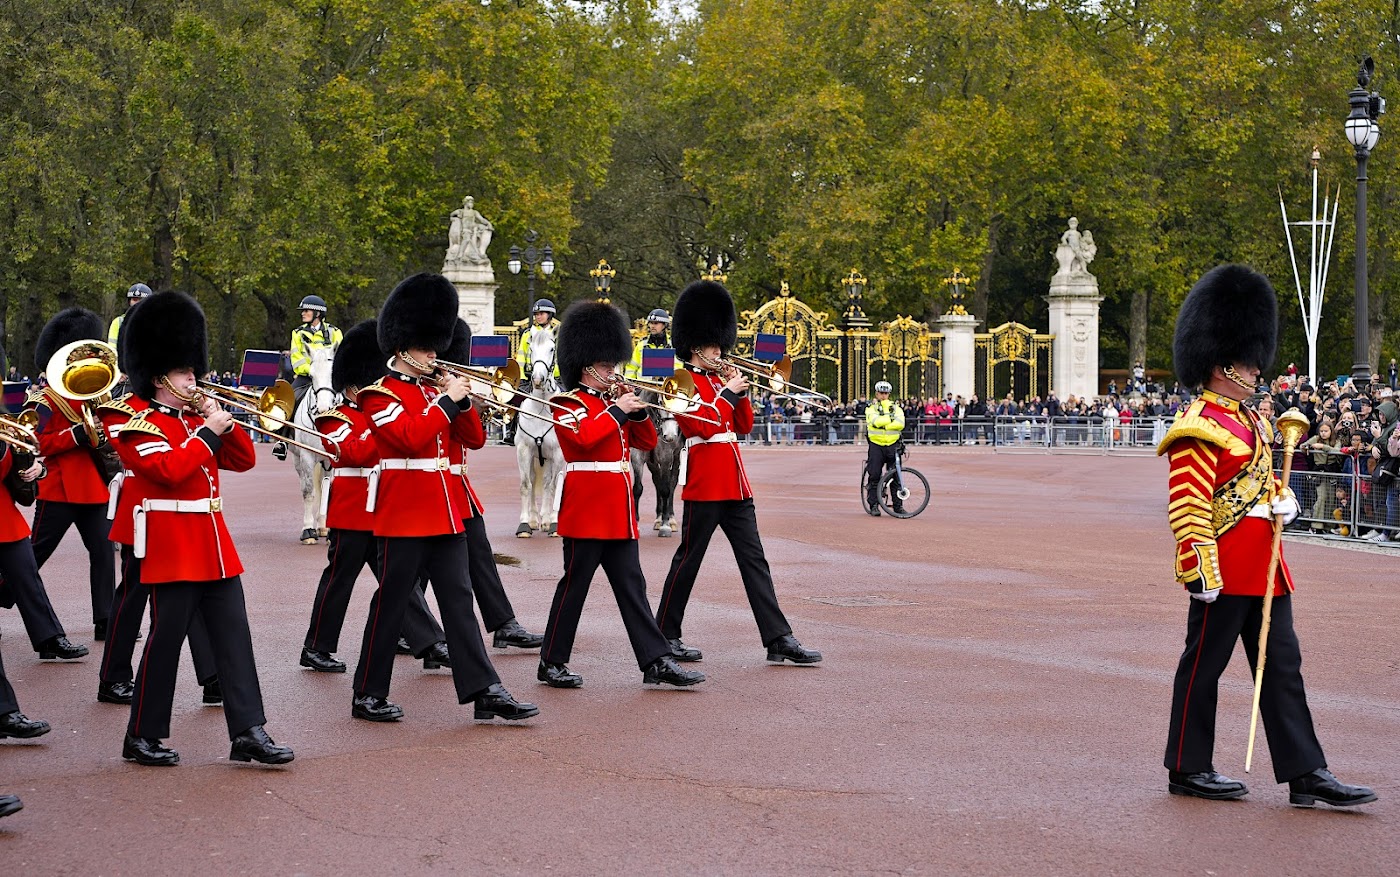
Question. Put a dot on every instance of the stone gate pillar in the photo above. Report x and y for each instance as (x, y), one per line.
(959, 354)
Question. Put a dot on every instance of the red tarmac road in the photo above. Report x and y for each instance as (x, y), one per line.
(993, 701)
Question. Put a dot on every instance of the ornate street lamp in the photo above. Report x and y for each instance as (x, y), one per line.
(602, 279)
(956, 283)
(530, 258)
(1362, 132)
(715, 274)
(855, 284)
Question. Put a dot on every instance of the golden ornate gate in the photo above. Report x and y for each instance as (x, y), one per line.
(814, 344)
(909, 356)
(1014, 359)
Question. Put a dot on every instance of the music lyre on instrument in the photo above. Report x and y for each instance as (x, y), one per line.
(85, 371)
(269, 402)
(491, 386)
(1292, 426)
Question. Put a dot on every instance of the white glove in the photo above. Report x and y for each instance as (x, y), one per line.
(1207, 596)
(1285, 504)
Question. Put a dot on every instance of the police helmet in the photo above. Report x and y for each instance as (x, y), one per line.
(544, 305)
(883, 387)
(659, 315)
(313, 303)
(139, 290)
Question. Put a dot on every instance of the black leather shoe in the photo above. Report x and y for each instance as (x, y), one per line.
(10, 804)
(495, 702)
(58, 648)
(1320, 785)
(115, 692)
(665, 671)
(403, 648)
(214, 694)
(254, 745)
(682, 652)
(872, 509)
(321, 662)
(558, 676)
(99, 631)
(787, 648)
(435, 657)
(144, 750)
(279, 450)
(1206, 784)
(899, 509)
(512, 635)
(21, 727)
(375, 709)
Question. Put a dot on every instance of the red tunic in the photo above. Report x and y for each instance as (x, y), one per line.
(13, 526)
(598, 504)
(413, 422)
(177, 459)
(73, 473)
(113, 416)
(349, 427)
(467, 437)
(714, 470)
(1221, 468)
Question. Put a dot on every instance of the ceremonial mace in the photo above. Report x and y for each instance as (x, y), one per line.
(1292, 425)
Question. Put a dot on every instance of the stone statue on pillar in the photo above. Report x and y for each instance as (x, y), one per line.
(468, 235)
(1076, 250)
(1074, 316)
(469, 268)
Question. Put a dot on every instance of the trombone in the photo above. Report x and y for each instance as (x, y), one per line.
(278, 401)
(776, 376)
(678, 391)
(500, 385)
(86, 371)
(268, 401)
(17, 431)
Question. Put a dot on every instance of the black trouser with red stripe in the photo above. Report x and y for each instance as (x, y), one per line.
(173, 606)
(740, 524)
(1211, 632)
(444, 559)
(490, 594)
(348, 552)
(23, 588)
(51, 523)
(621, 564)
(128, 608)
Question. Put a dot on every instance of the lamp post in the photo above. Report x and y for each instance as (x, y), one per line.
(1362, 132)
(715, 274)
(529, 258)
(855, 284)
(602, 279)
(956, 282)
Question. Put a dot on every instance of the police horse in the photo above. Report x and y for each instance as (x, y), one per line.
(311, 469)
(537, 452)
(664, 461)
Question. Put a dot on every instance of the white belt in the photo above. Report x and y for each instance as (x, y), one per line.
(340, 472)
(114, 490)
(623, 467)
(696, 440)
(198, 506)
(1263, 510)
(416, 464)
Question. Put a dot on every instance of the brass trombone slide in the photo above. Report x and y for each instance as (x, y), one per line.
(500, 386)
(18, 431)
(268, 402)
(678, 391)
(776, 376)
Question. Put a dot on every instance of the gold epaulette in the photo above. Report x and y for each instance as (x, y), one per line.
(379, 387)
(139, 423)
(118, 405)
(1194, 424)
(566, 398)
(34, 398)
(335, 414)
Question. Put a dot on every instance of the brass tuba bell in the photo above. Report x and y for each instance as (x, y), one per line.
(85, 371)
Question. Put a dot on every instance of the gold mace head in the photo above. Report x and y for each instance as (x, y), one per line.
(1292, 425)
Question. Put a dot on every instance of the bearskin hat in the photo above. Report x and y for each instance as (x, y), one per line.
(67, 326)
(418, 313)
(591, 332)
(460, 350)
(704, 315)
(1229, 316)
(358, 360)
(163, 333)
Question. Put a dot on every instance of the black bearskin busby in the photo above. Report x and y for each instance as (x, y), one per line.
(591, 332)
(1229, 316)
(418, 313)
(704, 315)
(67, 326)
(358, 360)
(460, 350)
(165, 332)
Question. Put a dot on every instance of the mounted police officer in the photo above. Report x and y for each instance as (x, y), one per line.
(884, 425)
(541, 316)
(658, 321)
(314, 333)
(134, 296)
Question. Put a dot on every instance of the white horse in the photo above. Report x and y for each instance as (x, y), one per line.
(311, 468)
(537, 452)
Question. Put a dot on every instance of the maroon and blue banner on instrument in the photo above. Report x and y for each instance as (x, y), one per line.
(260, 368)
(769, 348)
(658, 362)
(490, 350)
(15, 394)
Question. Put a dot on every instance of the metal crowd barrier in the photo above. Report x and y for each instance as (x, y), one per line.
(1081, 435)
(1346, 504)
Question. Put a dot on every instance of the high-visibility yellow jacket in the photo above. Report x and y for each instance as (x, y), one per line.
(522, 354)
(884, 422)
(115, 329)
(304, 338)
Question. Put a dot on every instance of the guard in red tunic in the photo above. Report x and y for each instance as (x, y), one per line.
(715, 487)
(596, 517)
(351, 545)
(191, 567)
(419, 504)
(75, 490)
(497, 614)
(1223, 499)
(129, 602)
